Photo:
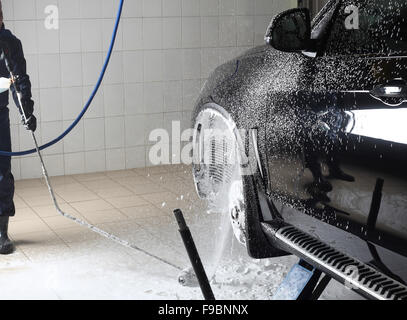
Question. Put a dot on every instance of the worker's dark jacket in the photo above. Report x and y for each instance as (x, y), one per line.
(18, 65)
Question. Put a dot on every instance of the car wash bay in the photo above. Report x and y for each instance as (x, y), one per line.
(101, 172)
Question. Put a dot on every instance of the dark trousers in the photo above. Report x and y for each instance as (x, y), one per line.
(6, 177)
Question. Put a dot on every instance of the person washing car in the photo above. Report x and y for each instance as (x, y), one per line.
(12, 51)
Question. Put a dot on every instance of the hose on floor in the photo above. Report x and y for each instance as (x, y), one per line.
(88, 103)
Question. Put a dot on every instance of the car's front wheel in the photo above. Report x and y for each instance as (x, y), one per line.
(218, 170)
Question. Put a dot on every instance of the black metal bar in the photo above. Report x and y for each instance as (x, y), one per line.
(321, 287)
(194, 256)
(375, 206)
(307, 291)
(378, 263)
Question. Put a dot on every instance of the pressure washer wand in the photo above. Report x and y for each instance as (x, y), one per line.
(37, 148)
(25, 120)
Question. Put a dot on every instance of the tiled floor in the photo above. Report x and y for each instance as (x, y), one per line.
(59, 259)
(129, 197)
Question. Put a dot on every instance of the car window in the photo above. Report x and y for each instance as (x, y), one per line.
(369, 27)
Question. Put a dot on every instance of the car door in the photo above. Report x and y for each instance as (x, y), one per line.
(365, 119)
(297, 96)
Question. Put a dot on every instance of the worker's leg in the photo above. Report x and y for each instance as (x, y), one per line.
(6, 183)
(6, 177)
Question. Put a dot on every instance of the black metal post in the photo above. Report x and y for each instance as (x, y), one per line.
(375, 205)
(306, 293)
(194, 256)
(320, 288)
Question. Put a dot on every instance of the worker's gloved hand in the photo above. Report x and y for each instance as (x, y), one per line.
(31, 123)
(28, 109)
(11, 51)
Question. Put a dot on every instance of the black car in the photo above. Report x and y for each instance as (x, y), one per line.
(308, 135)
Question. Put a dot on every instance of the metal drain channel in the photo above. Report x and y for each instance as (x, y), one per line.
(357, 275)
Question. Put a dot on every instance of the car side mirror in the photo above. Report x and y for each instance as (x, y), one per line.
(290, 31)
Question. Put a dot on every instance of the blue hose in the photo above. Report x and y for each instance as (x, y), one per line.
(87, 105)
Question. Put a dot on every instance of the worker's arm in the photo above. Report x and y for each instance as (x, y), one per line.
(13, 52)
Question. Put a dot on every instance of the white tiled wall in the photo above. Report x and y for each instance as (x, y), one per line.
(164, 52)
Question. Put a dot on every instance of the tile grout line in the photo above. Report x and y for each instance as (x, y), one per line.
(148, 202)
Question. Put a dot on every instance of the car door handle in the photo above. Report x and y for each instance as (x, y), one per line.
(396, 88)
(393, 93)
